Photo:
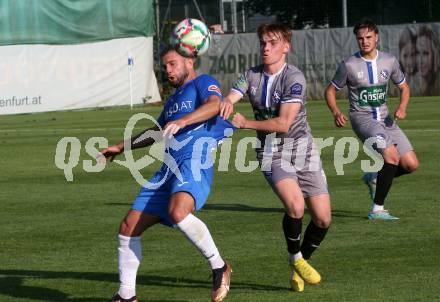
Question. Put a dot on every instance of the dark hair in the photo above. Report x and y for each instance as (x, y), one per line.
(365, 23)
(278, 29)
(166, 49)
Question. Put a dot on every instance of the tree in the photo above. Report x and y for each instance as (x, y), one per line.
(300, 13)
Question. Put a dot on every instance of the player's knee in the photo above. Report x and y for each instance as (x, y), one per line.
(391, 155)
(412, 166)
(323, 222)
(177, 215)
(392, 158)
(126, 229)
(295, 212)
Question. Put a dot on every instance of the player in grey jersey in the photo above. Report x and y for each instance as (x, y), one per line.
(288, 159)
(366, 74)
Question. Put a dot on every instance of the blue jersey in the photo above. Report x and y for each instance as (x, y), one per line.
(186, 99)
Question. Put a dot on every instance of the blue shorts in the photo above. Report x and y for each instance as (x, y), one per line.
(154, 200)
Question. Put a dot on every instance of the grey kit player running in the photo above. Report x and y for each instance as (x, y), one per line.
(366, 75)
(277, 92)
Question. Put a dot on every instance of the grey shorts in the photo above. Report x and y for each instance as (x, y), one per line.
(388, 131)
(311, 178)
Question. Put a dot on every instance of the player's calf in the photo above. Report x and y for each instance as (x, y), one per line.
(313, 236)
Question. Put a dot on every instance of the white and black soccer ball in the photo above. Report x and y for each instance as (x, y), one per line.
(191, 38)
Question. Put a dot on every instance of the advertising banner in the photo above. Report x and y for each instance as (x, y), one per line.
(36, 78)
(318, 52)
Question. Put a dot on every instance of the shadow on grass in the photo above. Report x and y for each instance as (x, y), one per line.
(245, 208)
(237, 207)
(349, 214)
(12, 284)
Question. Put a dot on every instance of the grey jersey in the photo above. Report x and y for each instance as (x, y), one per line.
(267, 93)
(367, 82)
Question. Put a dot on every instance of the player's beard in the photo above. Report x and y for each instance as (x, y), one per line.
(180, 80)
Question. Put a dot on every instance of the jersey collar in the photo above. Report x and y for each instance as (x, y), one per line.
(366, 60)
(277, 73)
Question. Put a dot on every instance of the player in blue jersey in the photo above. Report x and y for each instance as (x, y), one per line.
(191, 125)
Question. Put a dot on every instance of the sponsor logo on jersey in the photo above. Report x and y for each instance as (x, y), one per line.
(296, 89)
(177, 107)
(276, 96)
(214, 88)
(384, 74)
(373, 96)
(360, 75)
(253, 90)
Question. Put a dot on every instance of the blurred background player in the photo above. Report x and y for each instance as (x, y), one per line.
(366, 74)
(190, 113)
(277, 93)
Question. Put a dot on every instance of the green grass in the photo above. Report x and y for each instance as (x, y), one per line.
(58, 238)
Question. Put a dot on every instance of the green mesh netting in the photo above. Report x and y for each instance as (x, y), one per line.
(73, 21)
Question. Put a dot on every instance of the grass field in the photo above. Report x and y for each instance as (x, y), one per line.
(58, 238)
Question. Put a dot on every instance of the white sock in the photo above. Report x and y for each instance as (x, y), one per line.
(294, 257)
(376, 207)
(197, 232)
(129, 258)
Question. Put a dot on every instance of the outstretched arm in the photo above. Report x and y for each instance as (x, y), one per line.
(330, 98)
(145, 138)
(280, 124)
(209, 109)
(227, 106)
(404, 100)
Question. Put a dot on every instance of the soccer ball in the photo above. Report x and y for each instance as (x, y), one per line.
(191, 38)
